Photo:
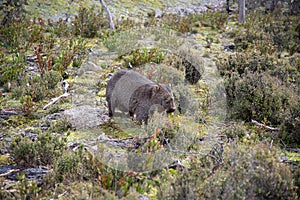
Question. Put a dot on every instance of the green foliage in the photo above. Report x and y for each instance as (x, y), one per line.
(291, 127)
(36, 87)
(89, 22)
(72, 51)
(183, 24)
(250, 173)
(235, 130)
(257, 96)
(69, 166)
(27, 104)
(43, 151)
(61, 125)
(142, 56)
(269, 32)
(261, 81)
(11, 67)
(27, 188)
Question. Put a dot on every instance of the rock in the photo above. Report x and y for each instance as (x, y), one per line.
(7, 112)
(158, 13)
(86, 116)
(12, 172)
(31, 136)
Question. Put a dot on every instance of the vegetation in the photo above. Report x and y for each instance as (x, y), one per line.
(191, 154)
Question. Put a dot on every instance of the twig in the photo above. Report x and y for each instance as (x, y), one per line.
(9, 171)
(63, 194)
(271, 145)
(56, 100)
(111, 22)
(268, 128)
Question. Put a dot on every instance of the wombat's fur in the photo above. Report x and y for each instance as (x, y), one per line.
(131, 92)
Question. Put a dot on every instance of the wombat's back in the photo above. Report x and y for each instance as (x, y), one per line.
(129, 82)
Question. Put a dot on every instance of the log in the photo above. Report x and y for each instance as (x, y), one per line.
(269, 128)
(55, 100)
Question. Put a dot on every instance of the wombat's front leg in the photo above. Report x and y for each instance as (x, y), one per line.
(142, 114)
(110, 113)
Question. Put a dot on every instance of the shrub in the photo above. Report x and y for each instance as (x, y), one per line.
(290, 128)
(268, 33)
(235, 130)
(250, 173)
(89, 22)
(11, 67)
(43, 151)
(257, 96)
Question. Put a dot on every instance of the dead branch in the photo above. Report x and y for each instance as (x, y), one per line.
(268, 128)
(56, 100)
(111, 22)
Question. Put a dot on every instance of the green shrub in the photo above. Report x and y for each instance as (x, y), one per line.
(11, 67)
(257, 96)
(250, 173)
(290, 128)
(43, 151)
(235, 130)
(69, 167)
(60, 125)
(142, 56)
(89, 22)
(269, 33)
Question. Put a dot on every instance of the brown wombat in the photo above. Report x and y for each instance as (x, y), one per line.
(131, 92)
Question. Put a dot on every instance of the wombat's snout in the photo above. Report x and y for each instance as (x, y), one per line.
(170, 110)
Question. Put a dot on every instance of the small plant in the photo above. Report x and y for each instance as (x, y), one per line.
(69, 166)
(142, 56)
(12, 67)
(27, 189)
(61, 125)
(73, 50)
(27, 104)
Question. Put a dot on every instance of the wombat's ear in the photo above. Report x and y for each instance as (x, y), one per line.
(155, 89)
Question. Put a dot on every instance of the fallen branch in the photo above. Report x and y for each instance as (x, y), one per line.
(56, 100)
(111, 22)
(268, 128)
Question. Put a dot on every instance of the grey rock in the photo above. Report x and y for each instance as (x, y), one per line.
(86, 116)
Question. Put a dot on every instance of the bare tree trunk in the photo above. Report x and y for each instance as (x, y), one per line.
(242, 11)
(111, 22)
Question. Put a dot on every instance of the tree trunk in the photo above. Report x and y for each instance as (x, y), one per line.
(242, 11)
(111, 22)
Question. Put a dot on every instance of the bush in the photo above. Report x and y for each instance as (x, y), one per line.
(89, 22)
(43, 151)
(290, 128)
(257, 96)
(250, 173)
(268, 33)
(263, 88)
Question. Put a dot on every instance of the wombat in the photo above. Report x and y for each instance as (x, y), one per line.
(131, 92)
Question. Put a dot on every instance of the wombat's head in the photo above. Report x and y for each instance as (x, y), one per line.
(163, 96)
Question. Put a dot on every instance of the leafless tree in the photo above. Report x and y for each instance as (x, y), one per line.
(111, 22)
(242, 11)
